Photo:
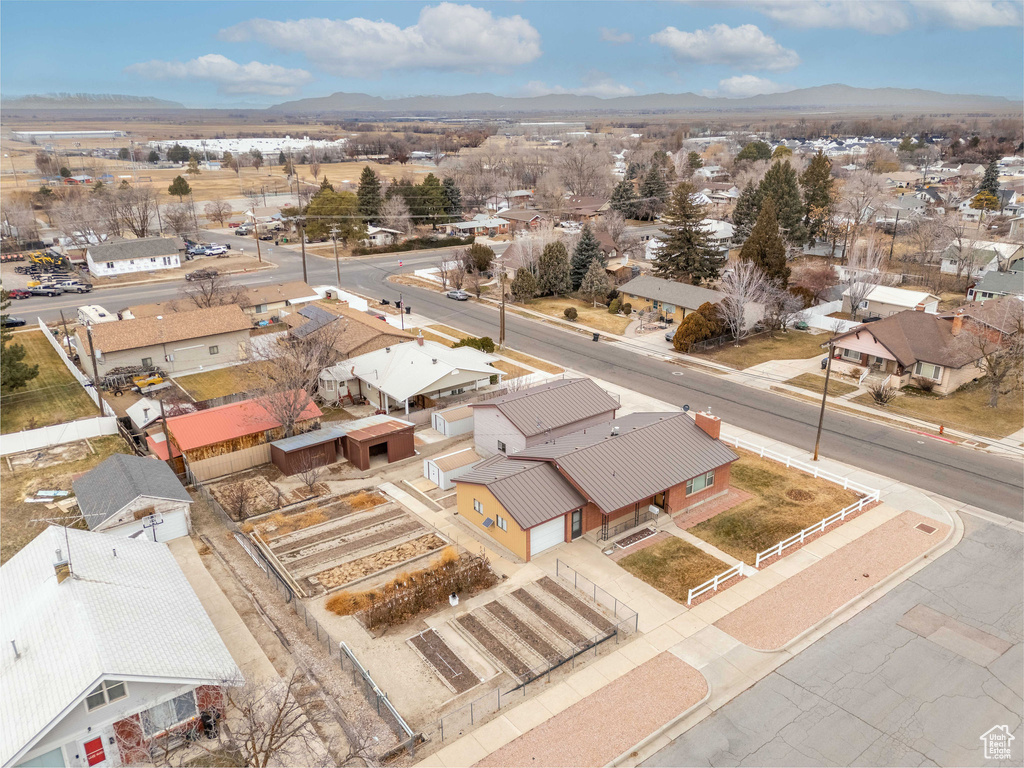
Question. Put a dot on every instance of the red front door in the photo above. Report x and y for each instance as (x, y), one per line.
(94, 751)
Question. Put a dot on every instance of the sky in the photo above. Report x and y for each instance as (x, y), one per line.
(224, 54)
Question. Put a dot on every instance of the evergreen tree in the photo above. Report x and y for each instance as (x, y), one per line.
(369, 195)
(338, 210)
(765, 248)
(819, 194)
(553, 273)
(748, 205)
(524, 285)
(14, 374)
(782, 151)
(325, 185)
(452, 197)
(781, 187)
(623, 199)
(694, 161)
(177, 154)
(653, 193)
(687, 252)
(179, 188)
(154, 156)
(990, 182)
(755, 150)
(595, 285)
(432, 200)
(281, 159)
(587, 249)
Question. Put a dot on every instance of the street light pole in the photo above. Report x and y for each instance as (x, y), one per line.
(824, 395)
(13, 169)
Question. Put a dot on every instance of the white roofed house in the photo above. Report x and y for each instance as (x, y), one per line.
(884, 300)
(107, 652)
(121, 257)
(983, 256)
(381, 236)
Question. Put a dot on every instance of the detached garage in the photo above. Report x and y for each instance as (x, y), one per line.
(316, 448)
(442, 470)
(453, 421)
(376, 436)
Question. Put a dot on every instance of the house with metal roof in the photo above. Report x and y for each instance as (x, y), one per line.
(122, 257)
(511, 423)
(442, 471)
(599, 482)
(994, 285)
(132, 496)
(107, 652)
(885, 300)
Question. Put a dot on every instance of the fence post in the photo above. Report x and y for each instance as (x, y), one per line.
(471, 713)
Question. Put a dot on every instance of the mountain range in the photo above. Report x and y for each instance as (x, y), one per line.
(87, 101)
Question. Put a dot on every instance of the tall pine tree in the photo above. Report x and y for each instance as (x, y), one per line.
(780, 186)
(587, 249)
(623, 199)
(14, 373)
(653, 193)
(990, 182)
(819, 194)
(765, 248)
(748, 205)
(595, 286)
(687, 252)
(369, 194)
(452, 197)
(553, 273)
(432, 200)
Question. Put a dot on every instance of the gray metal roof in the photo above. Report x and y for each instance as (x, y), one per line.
(143, 248)
(532, 492)
(651, 453)
(535, 410)
(120, 480)
(671, 292)
(333, 431)
(1006, 283)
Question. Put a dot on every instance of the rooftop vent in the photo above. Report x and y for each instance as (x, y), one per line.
(615, 431)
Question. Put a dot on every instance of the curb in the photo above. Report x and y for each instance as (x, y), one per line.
(269, 265)
(640, 745)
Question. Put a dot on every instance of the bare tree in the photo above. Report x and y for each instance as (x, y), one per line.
(254, 196)
(19, 217)
(240, 498)
(962, 249)
(394, 214)
(863, 273)
(77, 216)
(745, 288)
(475, 282)
(781, 308)
(137, 207)
(816, 276)
(457, 273)
(997, 344)
(178, 217)
(585, 169)
(214, 291)
(860, 196)
(311, 473)
(549, 195)
(314, 162)
(217, 210)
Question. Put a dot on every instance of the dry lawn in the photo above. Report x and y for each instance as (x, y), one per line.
(589, 315)
(16, 526)
(511, 370)
(52, 397)
(785, 501)
(218, 383)
(673, 567)
(816, 383)
(533, 362)
(431, 336)
(795, 345)
(448, 330)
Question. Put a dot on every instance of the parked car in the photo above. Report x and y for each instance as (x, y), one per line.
(10, 321)
(201, 274)
(216, 250)
(18, 293)
(245, 229)
(267, 236)
(670, 336)
(75, 286)
(196, 250)
(458, 295)
(46, 289)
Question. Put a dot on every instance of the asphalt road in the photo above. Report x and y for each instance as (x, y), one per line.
(984, 480)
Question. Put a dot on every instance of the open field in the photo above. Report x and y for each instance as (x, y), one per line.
(673, 567)
(589, 315)
(795, 345)
(223, 381)
(52, 397)
(816, 383)
(16, 526)
(785, 501)
(966, 409)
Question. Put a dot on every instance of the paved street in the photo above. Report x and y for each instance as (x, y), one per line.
(987, 481)
(875, 692)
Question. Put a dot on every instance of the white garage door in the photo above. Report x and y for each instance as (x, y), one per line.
(173, 526)
(546, 535)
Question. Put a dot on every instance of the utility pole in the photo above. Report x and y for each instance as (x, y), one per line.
(401, 309)
(302, 242)
(13, 169)
(895, 226)
(167, 434)
(67, 339)
(501, 313)
(824, 395)
(95, 370)
(337, 262)
(195, 221)
(256, 234)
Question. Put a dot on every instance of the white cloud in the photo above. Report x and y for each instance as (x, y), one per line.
(230, 76)
(602, 87)
(445, 37)
(741, 86)
(883, 17)
(612, 35)
(745, 47)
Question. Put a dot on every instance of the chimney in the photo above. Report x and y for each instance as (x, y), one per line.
(919, 307)
(61, 567)
(958, 322)
(710, 424)
(419, 339)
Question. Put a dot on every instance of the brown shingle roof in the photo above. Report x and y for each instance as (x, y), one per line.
(270, 294)
(362, 332)
(535, 410)
(1002, 314)
(913, 336)
(165, 329)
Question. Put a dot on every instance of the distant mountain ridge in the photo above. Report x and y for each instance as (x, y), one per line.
(824, 96)
(87, 101)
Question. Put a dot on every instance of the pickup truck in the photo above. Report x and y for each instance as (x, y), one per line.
(46, 289)
(75, 286)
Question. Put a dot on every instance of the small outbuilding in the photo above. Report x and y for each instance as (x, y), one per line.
(356, 441)
(309, 450)
(442, 470)
(453, 421)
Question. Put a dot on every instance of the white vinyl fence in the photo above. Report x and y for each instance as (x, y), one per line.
(57, 434)
(868, 496)
(80, 377)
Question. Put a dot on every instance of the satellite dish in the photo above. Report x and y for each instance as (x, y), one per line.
(686, 408)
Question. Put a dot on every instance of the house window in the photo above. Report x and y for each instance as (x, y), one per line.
(700, 482)
(329, 385)
(152, 260)
(147, 362)
(928, 371)
(502, 447)
(850, 354)
(104, 693)
(214, 350)
(110, 265)
(502, 522)
(478, 506)
(169, 714)
(261, 308)
(167, 261)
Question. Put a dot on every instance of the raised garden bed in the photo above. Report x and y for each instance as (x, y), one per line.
(634, 538)
(444, 661)
(575, 604)
(524, 631)
(556, 622)
(505, 656)
(357, 569)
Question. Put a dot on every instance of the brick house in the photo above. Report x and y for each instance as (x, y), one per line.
(598, 482)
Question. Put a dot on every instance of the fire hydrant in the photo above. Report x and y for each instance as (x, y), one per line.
(942, 429)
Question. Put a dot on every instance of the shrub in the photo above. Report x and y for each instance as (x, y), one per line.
(414, 244)
(613, 308)
(484, 343)
(882, 394)
(570, 313)
(613, 294)
(925, 385)
(627, 308)
(856, 372)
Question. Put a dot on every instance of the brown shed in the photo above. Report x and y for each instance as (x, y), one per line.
(376, 435)
(316, 448)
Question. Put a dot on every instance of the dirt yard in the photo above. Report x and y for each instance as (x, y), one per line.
(379, 561)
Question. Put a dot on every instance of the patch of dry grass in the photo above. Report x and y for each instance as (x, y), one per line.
(447, 329)
(587, 314)
(533, 362)
(511, 370)
(673, 567)
(795, 345)
(816, 383)
(221, 382)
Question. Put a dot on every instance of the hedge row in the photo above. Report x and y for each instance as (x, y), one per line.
(415, 244)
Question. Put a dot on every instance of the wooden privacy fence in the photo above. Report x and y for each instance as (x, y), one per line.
(217, 466)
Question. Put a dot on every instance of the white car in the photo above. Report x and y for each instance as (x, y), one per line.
(216, 250)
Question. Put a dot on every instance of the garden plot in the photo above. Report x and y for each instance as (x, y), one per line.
(351, 547)
(534, 628)
(441, 658)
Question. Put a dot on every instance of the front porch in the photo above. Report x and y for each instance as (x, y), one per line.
(610, 529)
(869, 369)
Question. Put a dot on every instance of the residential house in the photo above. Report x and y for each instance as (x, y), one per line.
(720, 232)
(107, 655)
(901, 212)
(1009, 202)
(521, 219)
(122, 257)
(417, 373)
(481, 225)
(517, 198)
(232, 437)
(597, 482)
(674, 301)
(79, 180)
(583, 208)
(993, 284)
(1017, 228)
(902, 179)
(719, 192)
(352, 332)
(132, 496)
(711, 173)
(884, 300)
(516, 421)
(911, 347)
(179, 342)
(260, 302)
(983, 256)
(376, 236)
